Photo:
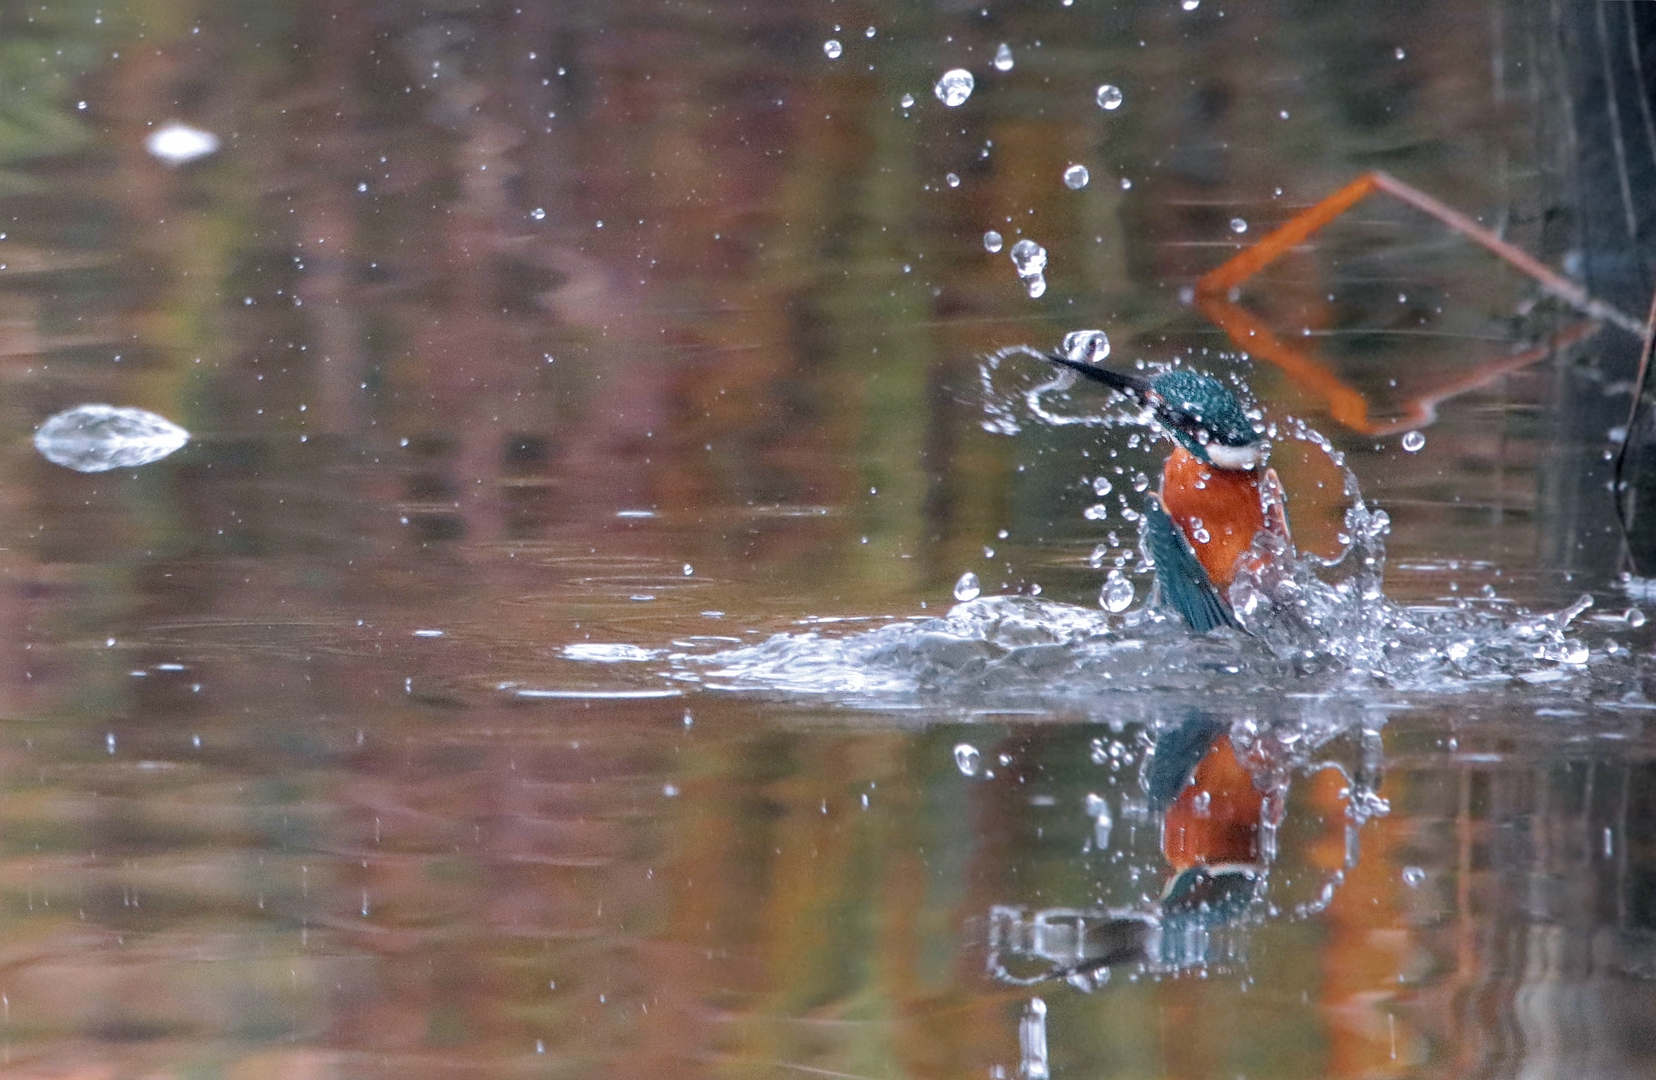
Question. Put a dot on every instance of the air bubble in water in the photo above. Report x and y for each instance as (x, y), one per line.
(1003, 57)
(906, 101)
(1413, 876)
(538, 213)
(1635, 618)
(1030, 258)
(991, 241)
(1190, 5)
(951, 179)
(967, 588)
(1117, 593)
(954, 87)
(1238, 225)
(967, 759)
(1109, 97)
(1101, 486)
(832, 49)
(1413, 441)
(1076, 177)
(97, 438)
(1086, 346)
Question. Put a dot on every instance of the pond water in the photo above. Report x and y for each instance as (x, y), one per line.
(627, 606)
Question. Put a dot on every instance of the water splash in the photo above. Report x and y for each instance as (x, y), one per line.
(1313, 625)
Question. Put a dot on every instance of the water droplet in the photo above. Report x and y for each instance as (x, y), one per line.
(954, 87)
(1117, 593)
(1101, 486)
(967, 588)
(906, 101)
(362, 187)
(1096, 512)
(1238, 225)
(951, 179)
(96, 438)
(1032, 1042)
(1399, 53)
(1076, 177)
(967, 759)
(1126, 184)
(832, 49)
(1414, 876)
(1003, 57)
(1190, 5)
(1202, 804)
(1030, 259)
(992, 241)
(869, 31)
(1140, 482)
(538, 213)
(1109, 97)
(688, 569)
(1086, 346)
(1413, 441)
(1635, 617)
(178, 144)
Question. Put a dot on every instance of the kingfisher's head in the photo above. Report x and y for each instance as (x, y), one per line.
(1196, 410)
(1206, 419)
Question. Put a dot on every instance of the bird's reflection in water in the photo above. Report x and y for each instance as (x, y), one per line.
(1219, 818)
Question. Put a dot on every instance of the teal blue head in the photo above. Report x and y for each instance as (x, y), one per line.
(1206, 419)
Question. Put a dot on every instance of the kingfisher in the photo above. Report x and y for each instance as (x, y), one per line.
(1212, 824)
(1212, 501)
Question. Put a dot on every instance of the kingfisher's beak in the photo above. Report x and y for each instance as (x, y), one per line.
(1133, 386)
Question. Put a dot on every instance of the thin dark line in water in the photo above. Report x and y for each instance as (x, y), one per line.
(1644, 90)
(1614, 111)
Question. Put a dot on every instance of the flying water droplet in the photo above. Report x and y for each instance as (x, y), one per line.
(967, 588)
(1003, 57)
(906, 101)
(954, 87)
(179, 144)
(951, 179)
(992, 241)
(832, 49)
(1238, 225)
(1076, 177)
(1635, 618)
(97, 438)
(1098, 808)
(1109, 97)
(1413, 441)
(967, 759)
(1190, 5)
(1030, 259)
(1414, 876)
(1117, 594)
(1086, 346)
(1101, 486)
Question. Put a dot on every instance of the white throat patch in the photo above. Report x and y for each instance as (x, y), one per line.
(1238, 458)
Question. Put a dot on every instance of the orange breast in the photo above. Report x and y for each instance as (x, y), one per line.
(1223, 503)
(1216, 818)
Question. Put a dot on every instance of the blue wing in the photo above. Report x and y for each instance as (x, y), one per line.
(1176, 756)
(1181, 579)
